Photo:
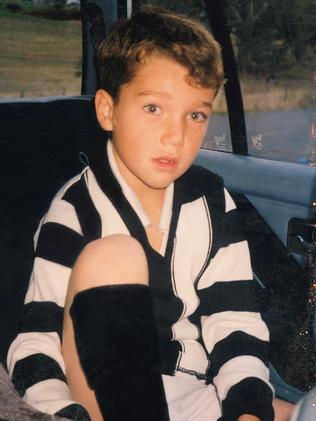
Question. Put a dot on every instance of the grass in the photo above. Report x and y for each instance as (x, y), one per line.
(38, 56)
(42, 57)
(282, 93)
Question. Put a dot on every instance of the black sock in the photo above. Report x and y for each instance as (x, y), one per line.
(117, 343)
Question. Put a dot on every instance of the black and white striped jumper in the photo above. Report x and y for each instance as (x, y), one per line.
(202, 288)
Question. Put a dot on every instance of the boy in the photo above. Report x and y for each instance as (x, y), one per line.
(140, 215)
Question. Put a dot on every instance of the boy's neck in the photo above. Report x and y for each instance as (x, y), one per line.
(152, 202)
(150, 199)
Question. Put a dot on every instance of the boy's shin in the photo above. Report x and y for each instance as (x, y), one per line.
(117, 343)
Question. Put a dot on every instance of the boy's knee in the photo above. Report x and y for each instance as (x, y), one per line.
(115, 259)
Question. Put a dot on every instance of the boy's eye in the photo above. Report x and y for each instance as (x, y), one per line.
(152, 109)
(198, 116)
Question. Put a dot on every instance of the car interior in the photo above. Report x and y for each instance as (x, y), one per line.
(47, 139)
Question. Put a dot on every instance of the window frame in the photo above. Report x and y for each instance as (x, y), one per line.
(215, 11)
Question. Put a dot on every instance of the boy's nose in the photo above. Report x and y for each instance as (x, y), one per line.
(173, 134)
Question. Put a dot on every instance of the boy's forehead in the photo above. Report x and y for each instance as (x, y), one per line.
(156, 63)
(161, 76)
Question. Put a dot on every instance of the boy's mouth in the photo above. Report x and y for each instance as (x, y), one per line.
(165, 162)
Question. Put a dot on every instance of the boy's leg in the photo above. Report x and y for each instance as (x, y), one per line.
(282, 410)
(115, 331)
(287, 396)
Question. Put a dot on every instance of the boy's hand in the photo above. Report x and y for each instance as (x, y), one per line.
(248, 417)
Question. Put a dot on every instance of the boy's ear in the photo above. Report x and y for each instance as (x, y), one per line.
(104, 109)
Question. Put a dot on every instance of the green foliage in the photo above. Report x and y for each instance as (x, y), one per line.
(271, 35)
(193, 8)
(54, 9)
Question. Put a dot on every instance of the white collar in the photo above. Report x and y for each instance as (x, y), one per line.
(130, 195)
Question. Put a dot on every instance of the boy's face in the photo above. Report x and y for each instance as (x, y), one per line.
(158, 123)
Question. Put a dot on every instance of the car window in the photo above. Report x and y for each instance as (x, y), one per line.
(274, 44)
(40, 48)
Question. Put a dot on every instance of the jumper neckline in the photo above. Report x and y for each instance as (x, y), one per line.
(128, 192)
(109, 179)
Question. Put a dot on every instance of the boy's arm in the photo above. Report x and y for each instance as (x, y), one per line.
(34, 360)
(233, 331)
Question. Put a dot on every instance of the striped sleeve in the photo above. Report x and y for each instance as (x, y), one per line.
(234, 334)
(35, 361)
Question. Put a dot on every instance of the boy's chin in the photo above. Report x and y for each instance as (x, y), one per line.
(159, 185)
(160, 181)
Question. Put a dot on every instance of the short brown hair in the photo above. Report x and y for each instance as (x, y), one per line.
(153, 29)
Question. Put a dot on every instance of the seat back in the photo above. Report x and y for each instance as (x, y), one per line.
(40, 141)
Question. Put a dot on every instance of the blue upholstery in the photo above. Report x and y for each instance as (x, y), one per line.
(278, 190)
(308, 407)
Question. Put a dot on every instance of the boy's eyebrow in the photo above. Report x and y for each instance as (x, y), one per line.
(166, 95)
(207, 104)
